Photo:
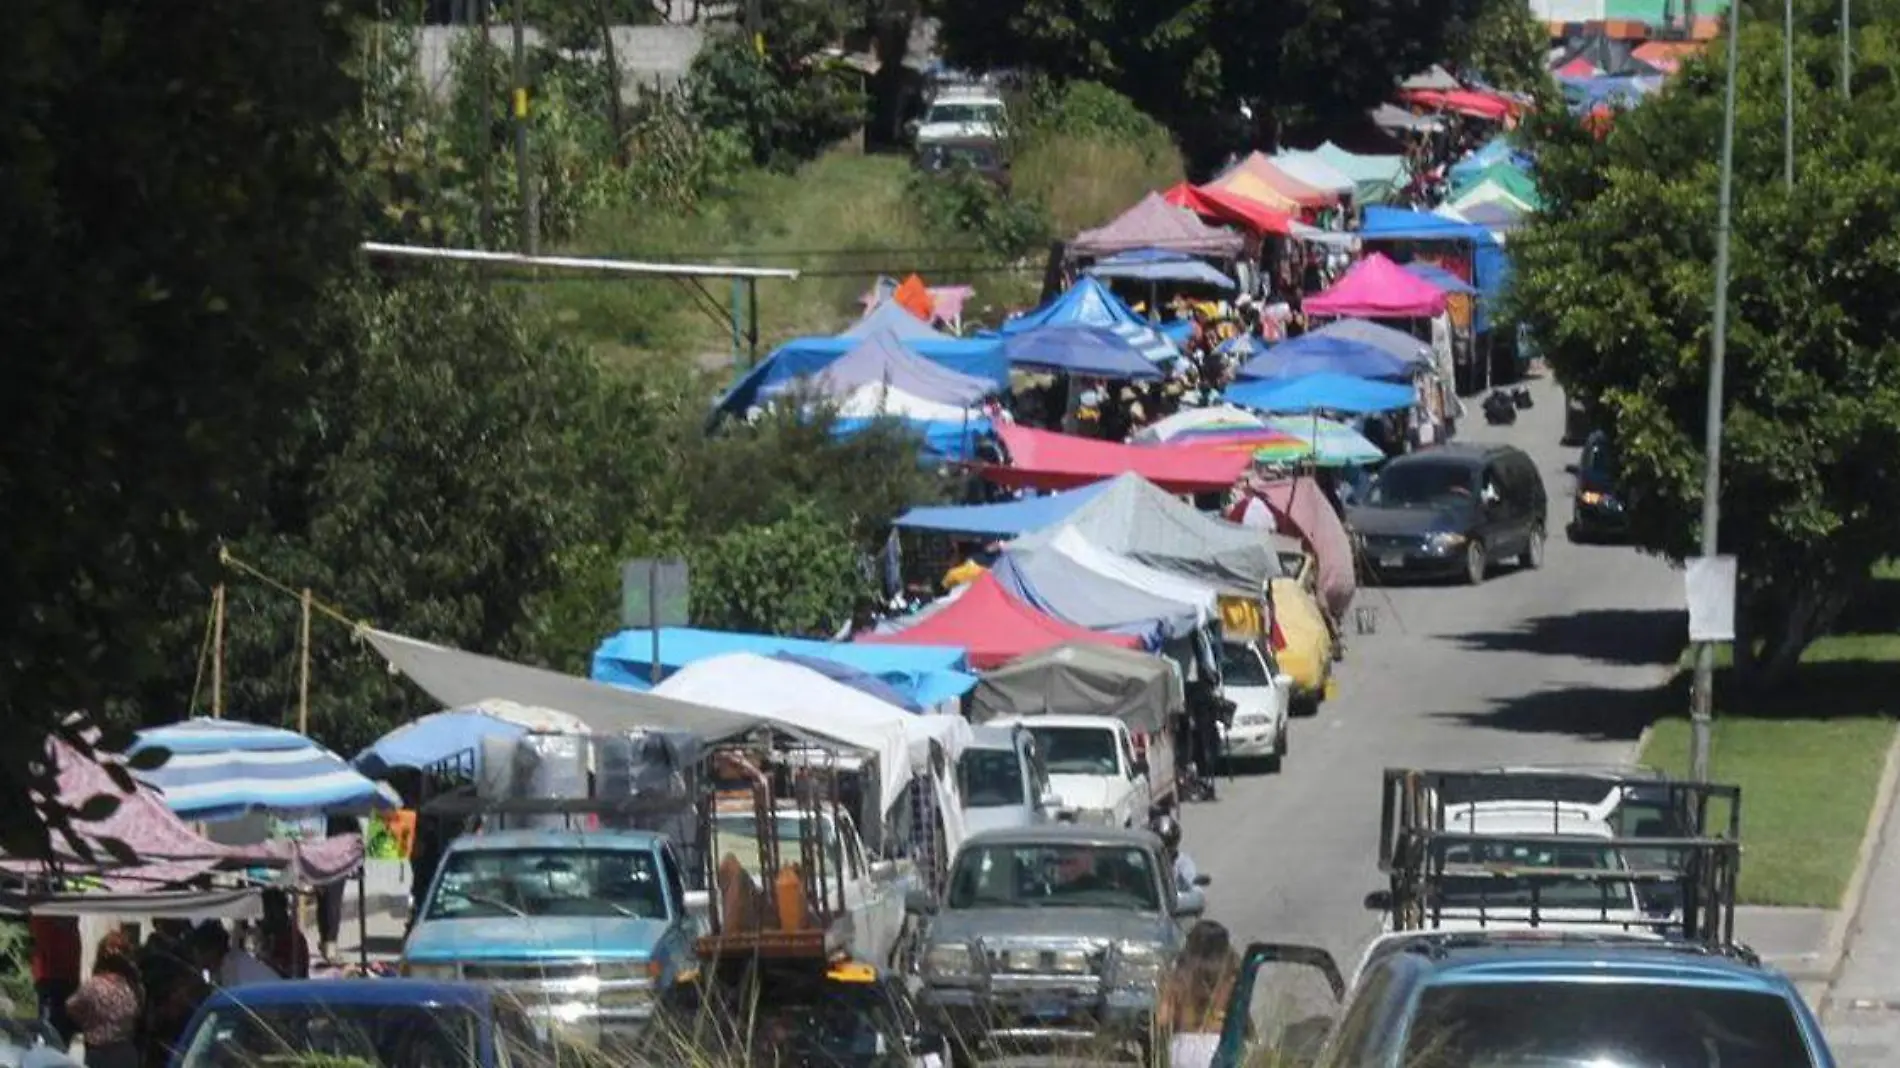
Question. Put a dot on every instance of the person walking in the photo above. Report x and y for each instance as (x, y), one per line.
(107, 1005)
(1192, 1006)
(56, 960)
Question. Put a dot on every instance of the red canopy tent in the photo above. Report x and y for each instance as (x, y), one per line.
(995, 627)
(1377, 288)
(1463, 101)
(1044, 459)
(1220, 205)
(1578, 68)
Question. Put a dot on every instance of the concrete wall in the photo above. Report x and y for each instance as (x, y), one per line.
(648, 55)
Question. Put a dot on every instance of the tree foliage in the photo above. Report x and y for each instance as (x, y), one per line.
(1505, 44)
(779, 90)
(1194, 65)
(797, 575)
(1615, 280)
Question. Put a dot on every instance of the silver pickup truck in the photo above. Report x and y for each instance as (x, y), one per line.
(1051, 935)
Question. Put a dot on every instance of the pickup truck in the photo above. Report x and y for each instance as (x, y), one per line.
(1003, 782)
(1094, 768)
(1052, 935)
(582, 928)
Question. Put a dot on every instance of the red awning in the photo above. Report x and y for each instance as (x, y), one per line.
(1463, 101)
(1220, 205)
(995, 627)
(1044, 459)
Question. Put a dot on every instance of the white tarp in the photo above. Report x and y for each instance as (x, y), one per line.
(1071, 543)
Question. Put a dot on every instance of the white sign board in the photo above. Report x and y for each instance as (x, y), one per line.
(1710, 584)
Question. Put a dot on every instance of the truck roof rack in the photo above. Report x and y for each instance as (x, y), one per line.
(1677, 882)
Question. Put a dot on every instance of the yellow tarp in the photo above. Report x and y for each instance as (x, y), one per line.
(1240, 183)
(1241, 619)
(1308, 655)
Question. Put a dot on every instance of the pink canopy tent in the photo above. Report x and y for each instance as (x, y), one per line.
(1155, 223)
(1299, 507)
(1377, 288)
(168, 851)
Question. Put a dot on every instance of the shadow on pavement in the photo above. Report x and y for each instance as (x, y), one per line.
(1592, 713)
(1616, 636)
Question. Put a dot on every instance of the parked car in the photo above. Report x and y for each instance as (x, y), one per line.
(1259, 691)
(962, 114)
(1600, 511)
(1003, 782)
(397, 1023)
(1453, 511)
(1307, 655)
(1093, 770)
(1054, 934)
(583, 928)
(1449, 1000)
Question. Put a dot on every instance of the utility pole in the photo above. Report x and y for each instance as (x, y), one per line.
(1702, 698)
(1787, 93)
(1847, 50)
(524, 178)
(217, 651)
(487, 227)
(303, 669)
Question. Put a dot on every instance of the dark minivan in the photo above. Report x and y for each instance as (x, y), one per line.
(1452, 511)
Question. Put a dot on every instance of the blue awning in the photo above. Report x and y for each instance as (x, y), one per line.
(1322, 393)
(1161, 265)
(1081, 350)
(1002, 520)
(1318, 353)
(926, 674)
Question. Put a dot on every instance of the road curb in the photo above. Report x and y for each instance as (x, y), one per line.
(1873, 839)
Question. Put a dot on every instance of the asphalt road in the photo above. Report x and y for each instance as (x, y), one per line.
(1531, 667)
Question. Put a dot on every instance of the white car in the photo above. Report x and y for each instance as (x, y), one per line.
(1471, 902)
(1260, 695)
(1093, 769)
(962, 115)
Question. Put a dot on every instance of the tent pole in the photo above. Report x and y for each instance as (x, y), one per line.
(303, 670)
(217, 652)
(362, 912)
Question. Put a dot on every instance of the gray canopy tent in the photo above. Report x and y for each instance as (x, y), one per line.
(1078, 678)
(1135, 518)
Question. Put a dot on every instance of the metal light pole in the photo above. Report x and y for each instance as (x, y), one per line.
(1847, 50)
(1787, 92)
(524, 178)
(1702, 698)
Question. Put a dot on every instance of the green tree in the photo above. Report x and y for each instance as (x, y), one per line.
(1195, 65)
(780, 90)
(1506, 44)
(173, 207)
(1615, 280)
(799, 575)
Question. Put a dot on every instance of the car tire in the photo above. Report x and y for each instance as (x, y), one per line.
(1532, 557)
(1476, 563)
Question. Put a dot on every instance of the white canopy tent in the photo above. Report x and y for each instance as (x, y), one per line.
(1204, 598)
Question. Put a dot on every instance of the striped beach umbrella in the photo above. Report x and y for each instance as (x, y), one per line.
(1221, 427)
(1323, 442)
(221, 769)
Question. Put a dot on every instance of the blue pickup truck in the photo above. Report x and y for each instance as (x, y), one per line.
(584, 929)
(412, 1023)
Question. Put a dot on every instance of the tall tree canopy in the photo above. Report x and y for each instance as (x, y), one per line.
(1195, 65)
(1615, 280)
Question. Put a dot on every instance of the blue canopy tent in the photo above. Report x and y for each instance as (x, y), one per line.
(1080, 350)
(937, 439)
(927, 675)
(1322, 393)
(1397, 343)
(1316, 353)
(806, 356)
(1490, 264)
(1089, 303)
(881, 358)
(1005, 519)
(1442, 278)
(1159, 265)
(434, 738)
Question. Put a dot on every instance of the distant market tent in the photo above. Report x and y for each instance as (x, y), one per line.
(1396, 343)
(1090, 303)
(880, 358)
(1158, 265)
(926, 675)
(1376, 179)
(1231, 208)
(1377, 288)
(1002, 519)
(992, 626)
(1393, 117)
(1491, 267)
(882, 314)
(1044, 459)
(807, 356)
(1472, 103)
(1155, 223)
(1322, 393)
(1258, 177)
(1091, 351)
(1316, 171)
(1316, 353)
(1081, 583)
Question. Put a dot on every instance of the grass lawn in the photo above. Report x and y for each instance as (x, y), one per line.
(1808, 758)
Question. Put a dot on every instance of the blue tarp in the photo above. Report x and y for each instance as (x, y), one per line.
(861, 681)
(1322, 392)
(941, 439)
(882, 357)
(977, 357)
(1079, 350)
(1442, 278)
(1160, 265)
(1491, 266)
(1312, 354)
(1003, 520)
(926, 674)
(1089, 303)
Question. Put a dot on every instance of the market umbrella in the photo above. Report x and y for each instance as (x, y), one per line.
(1222, 426)
(1326, 442)
(1094, 351)
(222, 769)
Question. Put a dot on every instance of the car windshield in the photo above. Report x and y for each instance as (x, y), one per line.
(990, 778)
(1241, 666)
(963, 113)
(493, 883)
(1601, 1025)
(1421, 484)
(739, 837)
(1054, 876)
(399, 1036)
(1077, 750)
(1504, 892)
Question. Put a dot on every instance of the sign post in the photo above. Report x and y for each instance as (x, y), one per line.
(654, 593)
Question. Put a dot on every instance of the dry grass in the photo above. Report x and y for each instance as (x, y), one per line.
(1086, 182)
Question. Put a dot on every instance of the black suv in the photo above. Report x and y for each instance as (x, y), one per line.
(1600, 513)
(1452, 511)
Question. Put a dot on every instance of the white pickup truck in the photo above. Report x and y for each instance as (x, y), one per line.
(1096, 769)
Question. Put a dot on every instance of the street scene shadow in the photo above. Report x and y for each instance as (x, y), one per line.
(1612, 636)
(1592, 713)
